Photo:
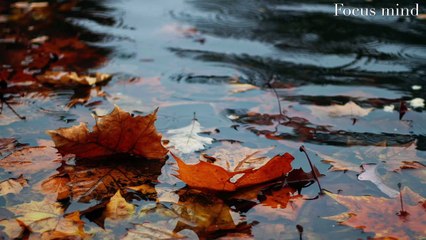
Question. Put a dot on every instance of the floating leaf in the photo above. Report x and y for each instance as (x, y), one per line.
(379, 215)
(394, 158)
(221, 180)
(187, 140)
(46, 218)
(370, 174)
(31, 160)
(118, 209)
(349, 109)
(72, 79)
(117, 132)
(235, 157)
(151, 231)
(12, 185)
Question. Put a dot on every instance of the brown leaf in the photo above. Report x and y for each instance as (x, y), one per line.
(45, 218)
(117, 132)
(379, 215)
(31, 160)
(7, 145)
(12, 185)
(221, 180)
(205, 214)
(118, 209)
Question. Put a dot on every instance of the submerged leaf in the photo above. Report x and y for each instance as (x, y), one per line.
(187, 140)
(220, 179)
(379, 215)
(117, 132)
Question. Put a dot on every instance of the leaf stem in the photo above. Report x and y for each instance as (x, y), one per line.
(302, 149)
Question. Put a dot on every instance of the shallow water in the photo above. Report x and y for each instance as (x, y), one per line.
(183, 57)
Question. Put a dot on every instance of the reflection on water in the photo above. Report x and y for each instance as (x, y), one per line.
(192, 56)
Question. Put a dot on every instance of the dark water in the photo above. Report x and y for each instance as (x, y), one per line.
(183, 56)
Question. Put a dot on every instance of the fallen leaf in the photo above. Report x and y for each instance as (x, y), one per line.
(12, 185)
(379, 215)
(118, 208)
(221, 180)
(100, 179)
(46, 218)
(31, 160)
(72, 79)
(242, 87)
(187, 140)
(117, 132)
(56, 187)
(349, 109)
(370, 174)
(394, 158)
(7, 145)
(11, 228)
(151, 231)
(206, 215)
(235, 157)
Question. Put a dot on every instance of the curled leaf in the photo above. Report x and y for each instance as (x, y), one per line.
(117, 132)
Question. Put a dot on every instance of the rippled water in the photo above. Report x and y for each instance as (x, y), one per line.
(183, 56)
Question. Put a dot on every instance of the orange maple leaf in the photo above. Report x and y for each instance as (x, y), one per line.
(206, 175)
(117, 132)
(379, 215)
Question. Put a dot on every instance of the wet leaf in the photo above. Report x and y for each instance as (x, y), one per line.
(46, 218)
(7, 145)
(117, 132)
(280, 203)
(118, 208)
(349, 109)
(205, 214)
(100, 179)
(394, 158)
(235, 157)
(12, 185)
(370, 174)
(30, 160)
(187, 140)
(151, 231)
(221, 180)
(380, 215)
(72, 79)
(11, 228)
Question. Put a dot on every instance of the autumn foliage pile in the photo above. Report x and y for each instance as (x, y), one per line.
(125, 153)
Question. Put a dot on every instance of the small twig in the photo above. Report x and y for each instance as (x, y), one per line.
(302, 149)
(300, 230)
(402, 212)
(276, 95)
(192, 129)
